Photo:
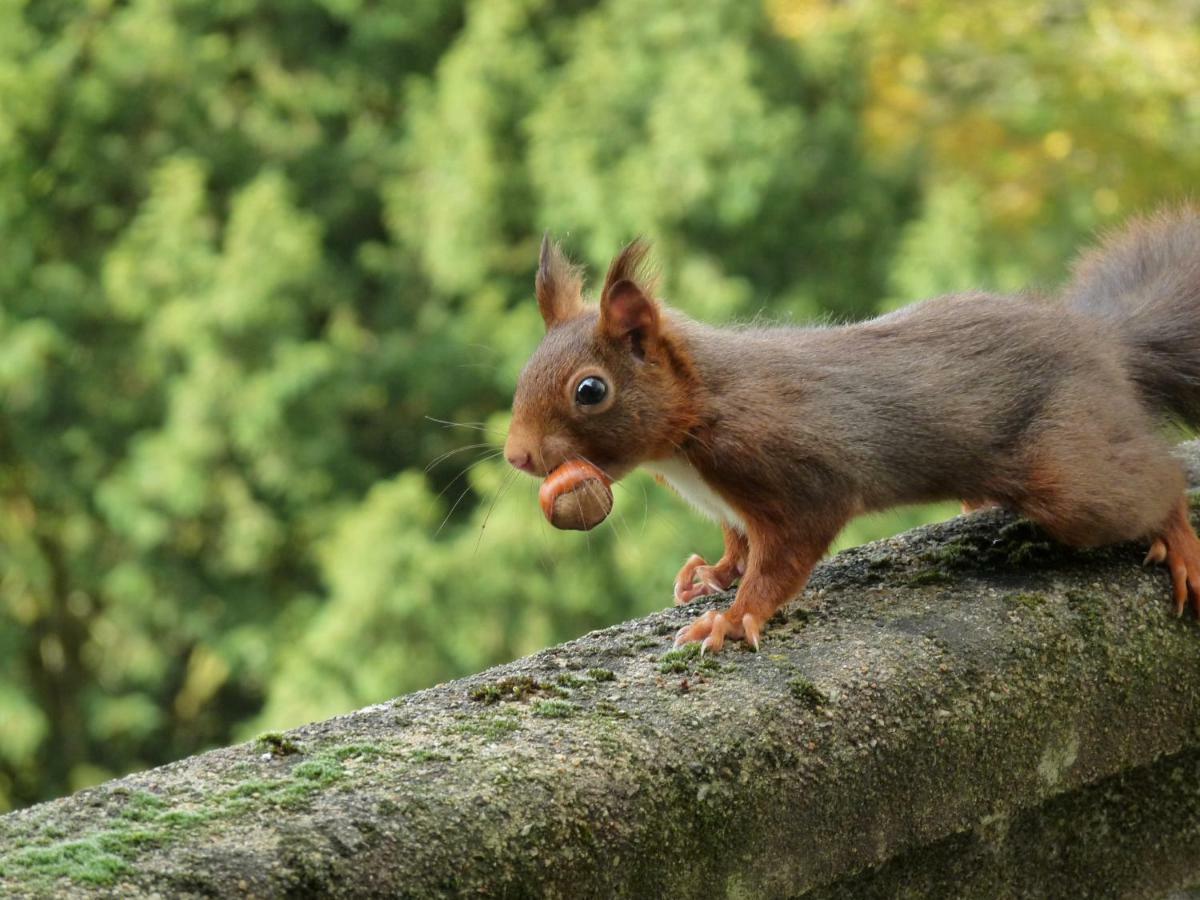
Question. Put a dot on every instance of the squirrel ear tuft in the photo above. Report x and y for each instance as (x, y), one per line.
(559, 285)
(632, 264)
(627, 307)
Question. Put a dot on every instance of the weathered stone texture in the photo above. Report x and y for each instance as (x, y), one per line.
(965, 710)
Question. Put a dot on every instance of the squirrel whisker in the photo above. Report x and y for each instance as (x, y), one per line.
(457, 450)
(485, 458)
(508, 479)
(478, 426)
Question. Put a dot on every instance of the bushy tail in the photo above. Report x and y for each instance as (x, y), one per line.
(1146, 281)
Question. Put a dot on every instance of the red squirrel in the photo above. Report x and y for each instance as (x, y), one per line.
(1051, 406)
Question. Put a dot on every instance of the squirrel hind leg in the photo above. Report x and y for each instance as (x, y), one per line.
(1088, 489)
(1178, 547)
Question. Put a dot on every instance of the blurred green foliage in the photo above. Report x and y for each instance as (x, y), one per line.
(250, 248)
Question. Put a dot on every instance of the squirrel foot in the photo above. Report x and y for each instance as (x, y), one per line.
(713, 627)
(698, 579)
(1179, 548)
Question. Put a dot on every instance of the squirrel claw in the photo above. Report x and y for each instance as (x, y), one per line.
(1179, 548)
(696, 630)
(716, 635)
(698, 579)
(750, 629)
(684, 589)
(712, 628)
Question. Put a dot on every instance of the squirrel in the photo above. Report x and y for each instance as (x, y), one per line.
(1052, 406)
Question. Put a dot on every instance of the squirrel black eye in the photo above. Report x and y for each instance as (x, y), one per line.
(590, 391)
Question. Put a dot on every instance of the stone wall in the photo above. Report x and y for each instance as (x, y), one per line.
(964, 710)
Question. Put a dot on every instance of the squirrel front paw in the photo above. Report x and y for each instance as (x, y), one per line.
(698, 579)
(713, 627)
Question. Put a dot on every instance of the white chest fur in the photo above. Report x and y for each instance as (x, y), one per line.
(686, 481)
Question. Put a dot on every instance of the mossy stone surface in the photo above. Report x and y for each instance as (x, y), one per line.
(1018, 708)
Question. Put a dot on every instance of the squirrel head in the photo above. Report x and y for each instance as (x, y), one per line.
(611, 383)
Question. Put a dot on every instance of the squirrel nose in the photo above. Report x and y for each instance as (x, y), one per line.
(520, 460)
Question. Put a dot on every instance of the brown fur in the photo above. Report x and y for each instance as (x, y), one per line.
(1050, 406)
(624, 340)
(559, 285)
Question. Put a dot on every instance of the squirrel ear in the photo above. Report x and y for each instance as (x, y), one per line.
(627, 313)
(559, 285)
(627, 308)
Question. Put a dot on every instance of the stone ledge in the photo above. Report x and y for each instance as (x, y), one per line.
(965, 704)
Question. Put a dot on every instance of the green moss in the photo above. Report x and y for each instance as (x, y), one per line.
(128, 842)
(601, 674)
(303, 781)
(506, 689)
(97, 859)
(293, 796)
(1021, 542)
(953, 555)
(84, 861)
(421, 755)
(180, 818)
(322, 770)
(554, 709)
(277, 744)
(1029, 600)
(1016, 543)
(568, 680)
(147, 820)
(253, 788)
(608, 709)
(643, 642)
(348, 751)
(500, 726)
(491, 728)
(709, 666)
(928, 576)
(142, 806)
(675, 662)
(1025, 552)
(1089, 610)
(806, 692)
